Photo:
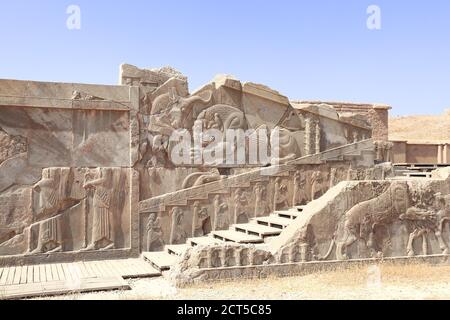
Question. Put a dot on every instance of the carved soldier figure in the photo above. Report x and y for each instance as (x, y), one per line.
(317, 185)
(49, 239)
(299, 194)
(102, 222)
(177, 233)
(200, 221)
(280, 198)
(155, 240)
(260, 200)
(240, 206)
(221, 221)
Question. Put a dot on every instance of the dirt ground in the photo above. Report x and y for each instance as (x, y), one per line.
(410, 282)
(413, 128)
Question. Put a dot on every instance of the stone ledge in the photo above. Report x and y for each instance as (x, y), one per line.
(300, 268)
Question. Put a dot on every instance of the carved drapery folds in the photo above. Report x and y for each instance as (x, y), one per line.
(75, 210)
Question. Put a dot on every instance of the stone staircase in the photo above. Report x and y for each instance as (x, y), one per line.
(259, 231)
(416, 170)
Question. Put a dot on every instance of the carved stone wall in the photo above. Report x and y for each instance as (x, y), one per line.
(367, 219)
(89, 169)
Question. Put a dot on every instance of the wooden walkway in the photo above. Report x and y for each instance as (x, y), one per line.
(59, 278)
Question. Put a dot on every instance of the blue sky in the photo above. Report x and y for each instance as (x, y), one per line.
(319, 50)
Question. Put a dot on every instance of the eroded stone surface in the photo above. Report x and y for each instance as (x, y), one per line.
(89, 170)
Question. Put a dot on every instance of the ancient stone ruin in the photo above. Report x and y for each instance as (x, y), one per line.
(146, 170)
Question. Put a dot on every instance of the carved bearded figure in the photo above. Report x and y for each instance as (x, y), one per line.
(260, 202)
(221, 220)
(102, 230)
(177, 233)
(155, 240)
(200, 221)
(240, 206)
(280, 198)
(299, 194)
(48, 201)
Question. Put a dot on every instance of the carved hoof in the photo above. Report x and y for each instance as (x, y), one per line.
(411, 253)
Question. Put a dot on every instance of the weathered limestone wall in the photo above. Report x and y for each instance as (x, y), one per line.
(376, 114)
(355, 222)
(371, 219)
(325, 128)
(82, 165)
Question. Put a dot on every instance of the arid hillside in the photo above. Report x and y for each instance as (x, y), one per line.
(420, 127)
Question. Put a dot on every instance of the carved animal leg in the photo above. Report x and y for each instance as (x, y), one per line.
(341, 250)
(372, 246)
(424, 243)
(442, 244)
(410, 248)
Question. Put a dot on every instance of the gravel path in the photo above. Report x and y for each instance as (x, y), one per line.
(375, 282)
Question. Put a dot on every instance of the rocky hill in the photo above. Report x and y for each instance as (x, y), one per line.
(420, 127)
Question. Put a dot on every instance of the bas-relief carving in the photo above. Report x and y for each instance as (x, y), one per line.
(241, 201)
(178, 235)
(169, 112)
(11, 146)
(155, 235)
(261, 206)
(280, 197)
(77, 138)
(228, 255)
(403, 219)
(66, 217)
(361, 220)
(201, 221)
(299, 193)
(221, 214)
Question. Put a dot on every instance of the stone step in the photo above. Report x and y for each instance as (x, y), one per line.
(235, 236)
(161, 260)
(177, 249)
(289, 214)
(274, 221)
(204, 241)
(256, 230)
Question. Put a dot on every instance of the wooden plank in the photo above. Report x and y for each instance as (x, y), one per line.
(42, 275)
(48, 272)
(36, 274)
(60, 287)
(131, 268)
(30, 274)
(89, 269)
(68, 275)
(4, 276)
(118, 268)
(82, 268)
(96, 269)
(161, 260)
(105, 272)
(23, 276)
(55, 273)
(61, 274)
(17, 275)
(11, 275)
(74, 270)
